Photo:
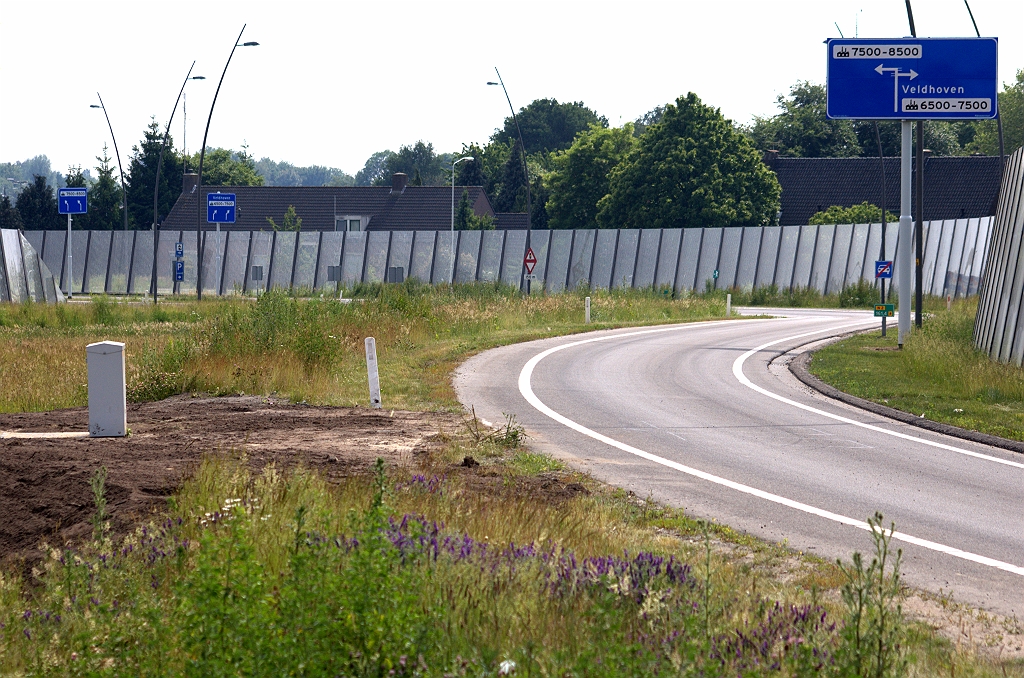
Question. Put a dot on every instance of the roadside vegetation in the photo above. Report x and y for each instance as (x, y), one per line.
(938, 374)
(415, 571)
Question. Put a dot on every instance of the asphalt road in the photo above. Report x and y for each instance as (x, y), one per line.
(707, 417)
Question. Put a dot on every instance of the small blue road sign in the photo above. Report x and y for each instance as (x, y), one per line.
(179, 271)
(220, 208)
(912, 78)
(715, 274)
(179, 250)
(883, 269)
(72, 200)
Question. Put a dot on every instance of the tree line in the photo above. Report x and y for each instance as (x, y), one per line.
(679, 164)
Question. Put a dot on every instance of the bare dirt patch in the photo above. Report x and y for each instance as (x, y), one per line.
(44, 483)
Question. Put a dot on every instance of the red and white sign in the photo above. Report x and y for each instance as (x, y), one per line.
(530, 260)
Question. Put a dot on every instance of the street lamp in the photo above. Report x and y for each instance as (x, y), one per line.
(451, 278)
(159, 166)
(200, 245)
(124, 191)
(526, 172)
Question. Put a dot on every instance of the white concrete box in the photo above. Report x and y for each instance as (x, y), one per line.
(108, 411)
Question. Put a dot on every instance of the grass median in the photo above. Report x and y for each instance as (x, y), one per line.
(938, 374)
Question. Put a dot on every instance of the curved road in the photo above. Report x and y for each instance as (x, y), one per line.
(707, 417)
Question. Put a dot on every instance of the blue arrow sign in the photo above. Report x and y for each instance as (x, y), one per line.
(912, 78)
(179, 271)
(883, 269)
(220, 208)
(72, 200)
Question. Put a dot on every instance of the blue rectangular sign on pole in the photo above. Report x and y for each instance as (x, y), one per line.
(220, 208)
(883, 269)
(912, 78)
(179, 270)
(72, 200)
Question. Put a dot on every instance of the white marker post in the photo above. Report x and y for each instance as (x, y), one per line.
(107, 402)
(728, 305)
(371, 372)
(904, 244)
(586, 306)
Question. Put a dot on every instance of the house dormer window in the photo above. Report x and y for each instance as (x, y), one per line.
(348, 223)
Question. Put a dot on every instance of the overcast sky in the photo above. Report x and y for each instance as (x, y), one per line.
(333, 82)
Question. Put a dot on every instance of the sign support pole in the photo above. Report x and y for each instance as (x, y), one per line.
(67, 278)
(905, 244)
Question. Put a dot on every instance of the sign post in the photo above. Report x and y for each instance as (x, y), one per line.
(220, 209)
(71, 201)
(911, 79)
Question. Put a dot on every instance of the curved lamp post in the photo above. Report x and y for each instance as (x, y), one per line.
(124, 191)
(160, 165)
(526, 172)
(199, 180)
(451, 277)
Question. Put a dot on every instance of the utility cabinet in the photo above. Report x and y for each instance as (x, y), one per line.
(108, 411)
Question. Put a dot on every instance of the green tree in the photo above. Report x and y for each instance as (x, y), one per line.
(649, 118)
(419, 162)
(375, 169)
(9, 216)
(692, 169)
(940, 137)
(289, 222)
(467, 220)
(37, 204)
(142, 177)
(511, 194)
(802, 128)
(548, 125)
(75, 178)
(864, 213)
(579, 178)
(105, 203)
(223, 167)
(1011, 110)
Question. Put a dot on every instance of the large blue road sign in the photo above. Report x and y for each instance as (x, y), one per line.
(220, 208)
(912, 78)
(72, 200)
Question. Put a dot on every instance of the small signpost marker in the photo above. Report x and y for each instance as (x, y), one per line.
(71, 201)
(371, 372)
(586, 306)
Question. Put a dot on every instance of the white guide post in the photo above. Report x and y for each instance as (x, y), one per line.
(905, 246)
(371, 372)
(586, 307)
(67, 278)
(728, 305)
(108, 412)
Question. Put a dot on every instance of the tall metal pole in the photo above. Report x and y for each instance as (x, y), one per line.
(120, 167)
(919, 229)
(159, 166)
(199, 180)
(999, 118)
(906, 231)
(451, 275)
(881, 247)
(526, 172)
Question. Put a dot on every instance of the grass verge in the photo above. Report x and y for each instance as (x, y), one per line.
(938, 374)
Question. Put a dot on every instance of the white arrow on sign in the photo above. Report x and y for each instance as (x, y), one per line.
(896, 75)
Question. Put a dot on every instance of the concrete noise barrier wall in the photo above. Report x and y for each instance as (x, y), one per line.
(999, 325)
(23, 274)
(826, 258)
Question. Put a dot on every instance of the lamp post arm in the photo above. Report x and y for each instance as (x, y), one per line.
(159, 166)
(120, 167)
(199, 180)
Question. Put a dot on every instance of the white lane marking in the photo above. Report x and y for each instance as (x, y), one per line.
(737, 370)
(526, 390)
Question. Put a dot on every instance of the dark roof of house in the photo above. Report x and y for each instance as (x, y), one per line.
(954, 187)
(414, 208)
(510, 221)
